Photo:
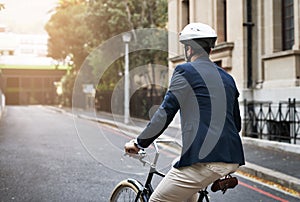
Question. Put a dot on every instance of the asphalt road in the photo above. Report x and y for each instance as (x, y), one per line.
(51, 156)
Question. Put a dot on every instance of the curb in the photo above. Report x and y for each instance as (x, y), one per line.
(292, 148)
(271, 175)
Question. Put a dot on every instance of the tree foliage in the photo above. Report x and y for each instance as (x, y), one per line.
(68, 40)
(107, 18)
(68, 36)
(2, 6)
(78, 26)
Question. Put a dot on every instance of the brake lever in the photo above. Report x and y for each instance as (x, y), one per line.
(140, 156)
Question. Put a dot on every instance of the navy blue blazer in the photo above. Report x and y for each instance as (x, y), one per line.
(207, 98)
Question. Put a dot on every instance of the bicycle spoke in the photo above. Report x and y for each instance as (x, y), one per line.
(127, 195)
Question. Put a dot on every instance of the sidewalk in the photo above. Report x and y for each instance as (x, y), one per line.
(272, 161)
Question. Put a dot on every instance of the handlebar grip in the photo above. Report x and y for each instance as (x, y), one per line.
(131, 151)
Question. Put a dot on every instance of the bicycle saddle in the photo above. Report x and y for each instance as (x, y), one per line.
(228, 182)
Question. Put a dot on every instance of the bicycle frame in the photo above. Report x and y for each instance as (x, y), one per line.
(147, 188)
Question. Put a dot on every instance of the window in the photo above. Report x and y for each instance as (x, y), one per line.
(185, 12)
(219, 63)
(12, 82)
(222, 20)
(287, 24)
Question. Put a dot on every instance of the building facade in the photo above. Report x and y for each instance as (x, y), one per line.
(258, 43)
(27, 75)
(30, 86)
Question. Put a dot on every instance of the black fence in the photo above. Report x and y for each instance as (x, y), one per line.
(272, 121)
(140, 102)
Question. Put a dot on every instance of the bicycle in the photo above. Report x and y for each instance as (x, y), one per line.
(130, 189)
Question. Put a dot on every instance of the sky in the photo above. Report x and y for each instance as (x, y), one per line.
(26, 16)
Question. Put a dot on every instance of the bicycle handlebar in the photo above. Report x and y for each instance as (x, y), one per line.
(142, 153)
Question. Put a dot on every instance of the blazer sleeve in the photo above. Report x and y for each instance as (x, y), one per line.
(236, 114)
(167, 110)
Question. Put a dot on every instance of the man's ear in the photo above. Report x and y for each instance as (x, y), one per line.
(191, 50)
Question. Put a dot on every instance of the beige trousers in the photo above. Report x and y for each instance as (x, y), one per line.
(183, 184)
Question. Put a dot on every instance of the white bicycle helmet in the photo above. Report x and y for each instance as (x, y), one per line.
(197, 31)
(199, 36)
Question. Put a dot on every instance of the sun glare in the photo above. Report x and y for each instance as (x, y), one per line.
(26, 16)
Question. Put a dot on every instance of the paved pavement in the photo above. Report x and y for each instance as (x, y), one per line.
(272, 161)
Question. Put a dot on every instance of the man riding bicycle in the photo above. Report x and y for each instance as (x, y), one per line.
(207, 98)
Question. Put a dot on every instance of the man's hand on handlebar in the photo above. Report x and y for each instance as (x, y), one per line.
(131, 147)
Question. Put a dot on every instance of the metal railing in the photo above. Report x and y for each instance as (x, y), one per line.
(272, 121)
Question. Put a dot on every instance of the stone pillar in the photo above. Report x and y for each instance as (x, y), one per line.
(260, 41)
(296, 25)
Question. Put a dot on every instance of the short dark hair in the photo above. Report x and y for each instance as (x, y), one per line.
(198, 45)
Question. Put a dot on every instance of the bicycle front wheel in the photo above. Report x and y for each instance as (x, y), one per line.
(128, 191)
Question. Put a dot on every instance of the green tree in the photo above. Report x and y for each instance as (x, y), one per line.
(107, 19)
(68, 35)
(2, 6)
(68, 40)
(79, 26)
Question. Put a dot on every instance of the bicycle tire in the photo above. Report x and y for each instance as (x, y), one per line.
(127, 190)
